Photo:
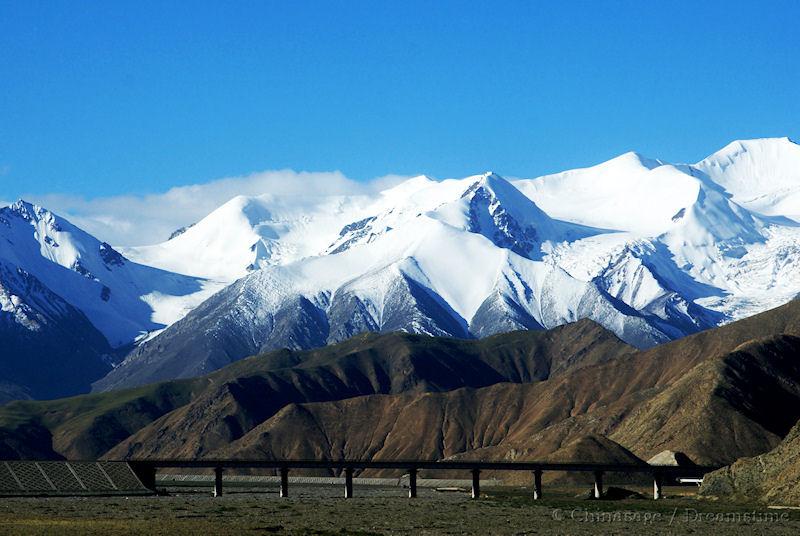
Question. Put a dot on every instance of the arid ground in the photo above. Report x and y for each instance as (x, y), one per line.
(320, 510)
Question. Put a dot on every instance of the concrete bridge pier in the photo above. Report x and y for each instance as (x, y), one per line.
(412, 483)
(284, 481)
(658, 486)
(348, 483)
(218, 482)
(476, 483)
(537, 484)
(598, 484)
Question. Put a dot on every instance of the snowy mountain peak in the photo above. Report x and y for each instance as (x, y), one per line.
(30, 212)
(239, 236)
(60, 241)
(408, 187)
(253, 209)
(120, 298)
(22, 207)
(499, 195)
(493, 207)
(761, 146)
(34, 232)
(484, 204)
(250, 233)
(762, 175)
(629, 161)
(493, 182)
(651, 250)
(766, 159)
(628, 193)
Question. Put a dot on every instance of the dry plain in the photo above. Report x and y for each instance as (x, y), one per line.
(385, 511)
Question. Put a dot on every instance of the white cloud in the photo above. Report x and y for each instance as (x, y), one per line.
(131, 220)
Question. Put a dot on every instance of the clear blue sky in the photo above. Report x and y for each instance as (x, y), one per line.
(100, 98)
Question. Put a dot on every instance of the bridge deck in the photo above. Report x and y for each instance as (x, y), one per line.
(662, 474)
(666, 470)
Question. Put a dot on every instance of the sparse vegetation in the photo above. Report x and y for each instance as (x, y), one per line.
(383, 511)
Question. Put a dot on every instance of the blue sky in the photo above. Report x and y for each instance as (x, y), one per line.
(101, 99)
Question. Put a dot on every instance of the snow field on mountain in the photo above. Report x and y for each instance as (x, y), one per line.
(762, 175)
(94, 278)
(655, 236)
(245, 234)
(649, 249)
(628, 193)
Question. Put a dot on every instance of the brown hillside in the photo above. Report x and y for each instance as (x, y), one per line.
(714, 396)
(715, 410)
(208, 412)
(772, 477)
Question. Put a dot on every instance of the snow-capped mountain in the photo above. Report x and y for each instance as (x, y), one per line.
(49, 348)
(249, 233)
(651, 250)
(695, 228)
(67, 301)
(760, 175)
(122, 299)
(462, 258)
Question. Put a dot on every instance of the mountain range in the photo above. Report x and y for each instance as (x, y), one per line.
(572, 393)
(652, 251)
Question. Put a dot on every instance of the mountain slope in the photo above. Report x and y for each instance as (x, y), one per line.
(49, 348)
(651, 250)
(695, 396)
(521, 421)
(70, 304)
(452, 271)
(770, 477)
(123, 300)
(717, 396)
(249, 391)
(761, 175)
(713, 250)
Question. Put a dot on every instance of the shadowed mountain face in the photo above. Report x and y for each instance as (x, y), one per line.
(716, 396)
(42, 332)
(70, 305)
